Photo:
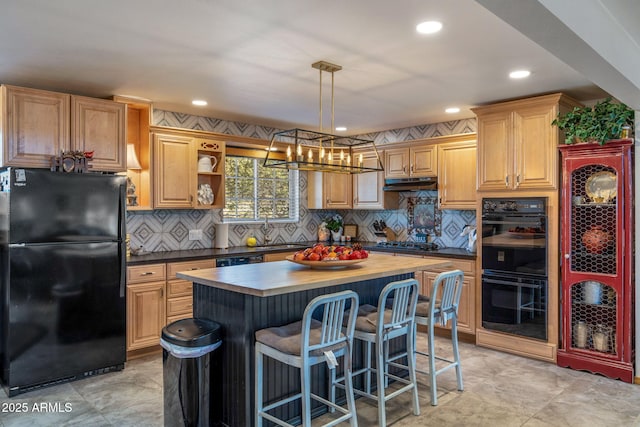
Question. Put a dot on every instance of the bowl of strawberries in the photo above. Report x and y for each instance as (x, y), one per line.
(330, 256)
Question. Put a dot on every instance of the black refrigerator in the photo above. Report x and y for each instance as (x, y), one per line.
(63, 282)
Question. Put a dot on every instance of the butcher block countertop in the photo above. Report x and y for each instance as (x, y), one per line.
(282, 277)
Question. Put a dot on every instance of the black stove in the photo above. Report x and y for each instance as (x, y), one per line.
(408, 246)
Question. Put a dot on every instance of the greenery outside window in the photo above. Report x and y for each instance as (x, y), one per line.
(253, 192)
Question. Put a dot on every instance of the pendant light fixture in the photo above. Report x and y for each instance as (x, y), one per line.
(320, 151)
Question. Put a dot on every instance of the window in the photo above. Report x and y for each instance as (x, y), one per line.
(253, 192)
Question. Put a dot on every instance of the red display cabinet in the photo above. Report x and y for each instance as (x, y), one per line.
(597, 265)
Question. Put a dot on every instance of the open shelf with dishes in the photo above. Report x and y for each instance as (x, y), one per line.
(597, 280)
(211, 156)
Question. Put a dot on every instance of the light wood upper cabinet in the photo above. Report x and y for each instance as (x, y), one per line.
(367, 187)
(174, 171)
(396, 161)
(35, 126)
(176, 179)
(99, 126)
(424, 161)
(327, 190)
(338, 190)
(38, 124)
(416, 161)
(457, 174)
(517, 146)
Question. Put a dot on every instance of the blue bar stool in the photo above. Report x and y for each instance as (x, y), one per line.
(431, 310)
(378, 326)
(306, 343)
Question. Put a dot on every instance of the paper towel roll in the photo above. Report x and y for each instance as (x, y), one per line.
(221, 240)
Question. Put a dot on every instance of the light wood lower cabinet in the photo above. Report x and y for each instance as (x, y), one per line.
(277, 257)
(145, 305)
(155, 298)
(466, 310)
(179, 291)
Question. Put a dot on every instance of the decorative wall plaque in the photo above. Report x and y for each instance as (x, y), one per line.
(424, 215)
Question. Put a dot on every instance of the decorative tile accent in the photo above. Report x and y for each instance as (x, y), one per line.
(423, 214)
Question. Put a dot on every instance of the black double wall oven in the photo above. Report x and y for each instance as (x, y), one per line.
(514, 266)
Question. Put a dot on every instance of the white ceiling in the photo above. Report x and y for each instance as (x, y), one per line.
(251, 59)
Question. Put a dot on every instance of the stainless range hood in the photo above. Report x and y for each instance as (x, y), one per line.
(410, 184)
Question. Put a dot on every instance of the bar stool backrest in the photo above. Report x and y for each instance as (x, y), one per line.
(446, 308)
(332, 335)
(403, 309)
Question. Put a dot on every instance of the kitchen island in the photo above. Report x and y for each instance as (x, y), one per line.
(247, 298)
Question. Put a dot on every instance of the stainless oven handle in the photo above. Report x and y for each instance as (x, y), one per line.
(517, 284)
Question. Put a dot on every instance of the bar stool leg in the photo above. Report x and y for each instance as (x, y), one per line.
(367, 375)
(386, 366)
(348, 383)
(432, 364)
(305, 386)
(332, 387)
(456, 351)
(258, 389)
(412, 372)
(380, 370)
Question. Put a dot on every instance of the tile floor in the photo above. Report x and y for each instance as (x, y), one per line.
(500, 390)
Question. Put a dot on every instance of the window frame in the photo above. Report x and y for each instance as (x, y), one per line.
(294, 195)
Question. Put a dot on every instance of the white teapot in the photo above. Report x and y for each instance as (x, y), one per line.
(207, 163)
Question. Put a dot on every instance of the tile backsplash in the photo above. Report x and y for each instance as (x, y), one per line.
(167, 230)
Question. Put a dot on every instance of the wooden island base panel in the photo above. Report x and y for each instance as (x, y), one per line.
(246, 298)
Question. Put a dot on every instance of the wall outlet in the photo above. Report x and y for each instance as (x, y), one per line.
(195, 234)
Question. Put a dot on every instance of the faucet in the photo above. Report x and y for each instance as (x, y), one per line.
(265, 231)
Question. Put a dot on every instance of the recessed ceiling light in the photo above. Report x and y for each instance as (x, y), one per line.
(199, 102)
(429, 27)
(452, 110)
(519, 74)
(340, 128)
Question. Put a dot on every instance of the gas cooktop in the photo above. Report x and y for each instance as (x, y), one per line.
(411, 246)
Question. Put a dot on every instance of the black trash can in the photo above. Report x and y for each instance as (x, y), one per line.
(186, 361)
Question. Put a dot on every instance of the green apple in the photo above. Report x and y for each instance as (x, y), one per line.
(251, 241)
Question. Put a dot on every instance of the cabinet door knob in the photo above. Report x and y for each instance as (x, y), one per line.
(517, 180)
(506, 181)
(404, 168)
(566, 256)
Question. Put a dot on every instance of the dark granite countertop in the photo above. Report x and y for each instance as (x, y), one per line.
(441, 252)
(195, 254)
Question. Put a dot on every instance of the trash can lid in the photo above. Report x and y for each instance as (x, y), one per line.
(192, 332)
